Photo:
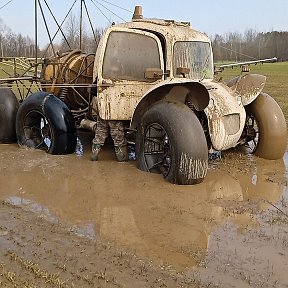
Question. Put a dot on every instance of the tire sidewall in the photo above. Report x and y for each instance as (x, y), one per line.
(147, 120)
(271, 126)
(8, 110)
(59, 117)
(186, 137)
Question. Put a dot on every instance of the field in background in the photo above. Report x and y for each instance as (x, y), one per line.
(20, 88)
(276, 83)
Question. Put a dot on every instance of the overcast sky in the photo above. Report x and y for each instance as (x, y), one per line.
(210, 16)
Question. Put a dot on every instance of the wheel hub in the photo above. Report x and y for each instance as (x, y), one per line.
(157, 150)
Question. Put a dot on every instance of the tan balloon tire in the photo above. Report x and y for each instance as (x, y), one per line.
(266, 119)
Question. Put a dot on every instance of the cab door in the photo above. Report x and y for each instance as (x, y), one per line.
(122, 77)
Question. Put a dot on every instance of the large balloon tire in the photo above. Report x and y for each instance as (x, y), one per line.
(271, 127)
(43, 121)
(170, 140)
(8, 109)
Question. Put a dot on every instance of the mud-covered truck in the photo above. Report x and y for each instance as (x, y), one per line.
(158, 77)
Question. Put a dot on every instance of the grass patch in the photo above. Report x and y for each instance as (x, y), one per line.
(20, 88)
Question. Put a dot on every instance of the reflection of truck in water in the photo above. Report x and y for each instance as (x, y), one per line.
(157, 75)
(153, 221)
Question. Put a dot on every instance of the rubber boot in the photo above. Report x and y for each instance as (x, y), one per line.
(96, 148)
(121, 153)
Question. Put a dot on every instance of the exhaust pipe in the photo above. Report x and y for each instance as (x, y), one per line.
(88, 125)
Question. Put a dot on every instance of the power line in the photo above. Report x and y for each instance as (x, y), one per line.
(231, 50)
(101, 12)
(5, 4)
(109, 10)
(117, 6)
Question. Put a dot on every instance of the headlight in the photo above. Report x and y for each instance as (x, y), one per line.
(231, 123)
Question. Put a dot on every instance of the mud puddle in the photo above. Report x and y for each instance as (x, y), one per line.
(229, 231)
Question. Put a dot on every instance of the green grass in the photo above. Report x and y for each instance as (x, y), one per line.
(276, 83)
(6, 72)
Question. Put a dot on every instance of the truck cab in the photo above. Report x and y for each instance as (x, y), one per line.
(137, 57)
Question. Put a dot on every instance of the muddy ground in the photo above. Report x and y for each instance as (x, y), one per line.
(68, 222)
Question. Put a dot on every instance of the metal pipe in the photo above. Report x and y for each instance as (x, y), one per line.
(47, 29)
(90, 22)
(271, 60)
(59, 27)
(81, 25)
(36, 36)
(2, 53)
(15, 79)
(88, 124)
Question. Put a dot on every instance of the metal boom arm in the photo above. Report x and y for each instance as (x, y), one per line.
(240, 64)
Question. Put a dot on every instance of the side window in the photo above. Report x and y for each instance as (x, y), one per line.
(128, 55)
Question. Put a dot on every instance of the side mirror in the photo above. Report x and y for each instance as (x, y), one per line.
(153, 73)
(182, 71)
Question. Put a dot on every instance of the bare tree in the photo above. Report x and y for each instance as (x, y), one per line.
(12, 44)
(251, 45)
(89, 39)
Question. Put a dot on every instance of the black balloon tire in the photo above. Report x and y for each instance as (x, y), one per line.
(60, 120)
(186, 137)
(272, 128)
(8, 109)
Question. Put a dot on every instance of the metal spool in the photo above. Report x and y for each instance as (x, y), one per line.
(69, 77)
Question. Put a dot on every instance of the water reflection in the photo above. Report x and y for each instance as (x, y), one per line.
(168, 223)
(79, 150)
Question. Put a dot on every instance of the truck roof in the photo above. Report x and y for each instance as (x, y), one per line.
(176, 31)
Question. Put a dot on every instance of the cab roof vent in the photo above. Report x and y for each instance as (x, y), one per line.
(137, 13)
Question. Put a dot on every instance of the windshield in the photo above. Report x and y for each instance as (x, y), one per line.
(196, 56)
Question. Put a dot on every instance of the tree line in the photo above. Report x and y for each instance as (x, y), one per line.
(233, 46)
(16, 45)
(12, 44)
(250, 45)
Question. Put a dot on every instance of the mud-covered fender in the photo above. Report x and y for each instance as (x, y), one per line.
(249, 86)
(225, 114)
(179, 90)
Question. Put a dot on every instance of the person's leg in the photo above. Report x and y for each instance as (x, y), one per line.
(117, 132)
(101, 133)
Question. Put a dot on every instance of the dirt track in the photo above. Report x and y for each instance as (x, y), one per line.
(69, 222)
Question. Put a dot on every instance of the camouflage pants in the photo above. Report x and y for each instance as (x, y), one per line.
(116, 129)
